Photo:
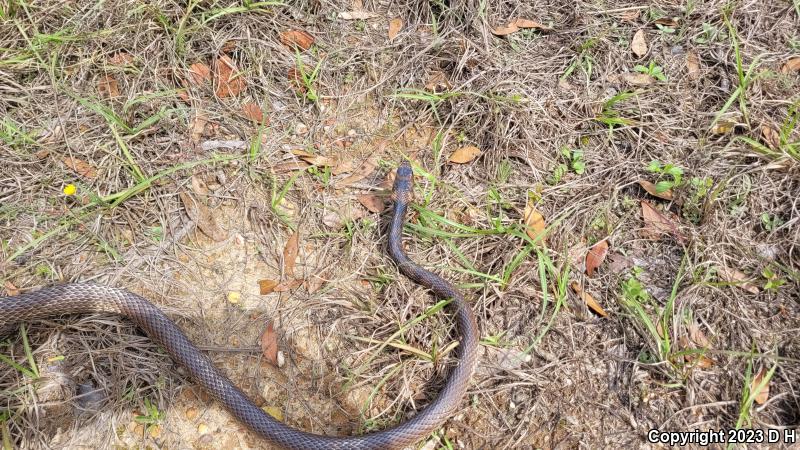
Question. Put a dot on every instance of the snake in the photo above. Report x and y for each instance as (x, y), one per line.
(83, 298)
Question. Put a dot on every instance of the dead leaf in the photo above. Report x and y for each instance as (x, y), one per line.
(290, 254)
(199, 73)
(108, 86)
(313, 159)
(637, 79)
(465, 154)
(374, 203)
(290, 166)
(588, 299)
(506, 30)
(395, 25)
(639, 44)
(266, 286)
(343, 213)
(357, 15)
(619, 263)
(315, 282)
(534, 222)
(197, 127)
(438, 82)
(121, 59)
(761, 395)
(527, 23)
(269, 344)
(771, 136)
(80, 167)
(11, 290)
(792, 65)
(288, 285)
(630, 16)
(253, 112)
(667, 22)
(692, 65)
(697, 335)
(199, 186)
(651, 189)
(516, 24)
(364, 170)
(201, 215)
(297, 38)
(738, 279)
(229, 80)
(657, 224)
(595, 256)
(723, 127)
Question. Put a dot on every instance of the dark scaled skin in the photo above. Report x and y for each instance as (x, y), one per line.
(77, 298)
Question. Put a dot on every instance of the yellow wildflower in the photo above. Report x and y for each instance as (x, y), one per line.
(70, 189)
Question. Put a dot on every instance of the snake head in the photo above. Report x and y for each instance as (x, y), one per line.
(403, 182)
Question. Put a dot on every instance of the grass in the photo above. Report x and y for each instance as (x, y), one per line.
(32, 371)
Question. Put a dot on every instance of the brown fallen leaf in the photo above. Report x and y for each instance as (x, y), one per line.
(315, 282)
(199, 73)
(362, 171)
(588, 299)
(253, 112)
(534, 223)
(506, 30)
(771, 136)
(201, 215)
(80, 167)
(723, 127)
(269, 344)
(288, 285)
(11, 290)
(108, 86)
(637, 79)
(290, 166)
(266, 286)
(395, 25)
(121, 59)
(667, 22)
(357, 15)
(527, 23)
(759, 387)
(373, 203)
(692, 65)
(465, 154)
(629, 16)
(639, 44)
(290, 254)
(297, 38)
(792, 65)
(517, 24)
(697, 336)
(197, 127)
(738, 279)
(199, 186)
(438, 82)
(595, 256)
(651, 189)
(229, 80)
(657, 224)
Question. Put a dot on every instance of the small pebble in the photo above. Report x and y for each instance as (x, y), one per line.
(191, 413)
(300, 129)
(351, 132)
(281, 359)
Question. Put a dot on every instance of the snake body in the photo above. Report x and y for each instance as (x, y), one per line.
(78, 298)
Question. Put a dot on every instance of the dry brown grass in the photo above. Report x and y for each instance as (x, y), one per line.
(588, 381)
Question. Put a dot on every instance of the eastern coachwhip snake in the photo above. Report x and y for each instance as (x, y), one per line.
(76, 298)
